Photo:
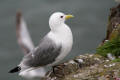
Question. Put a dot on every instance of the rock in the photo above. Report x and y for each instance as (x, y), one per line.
(92, 67)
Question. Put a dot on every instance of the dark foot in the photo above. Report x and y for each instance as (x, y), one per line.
(58, 70)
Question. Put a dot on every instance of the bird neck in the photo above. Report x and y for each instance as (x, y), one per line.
(62, 31)
(59, 28)
(61, 34)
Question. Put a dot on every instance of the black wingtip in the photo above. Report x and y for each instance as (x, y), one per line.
(16, 69)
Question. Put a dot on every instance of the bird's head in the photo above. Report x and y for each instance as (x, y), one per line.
(58, 18)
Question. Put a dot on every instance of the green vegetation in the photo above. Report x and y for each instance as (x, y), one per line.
(116, 60)
(111, 46)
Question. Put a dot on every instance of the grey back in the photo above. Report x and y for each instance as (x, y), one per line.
(45, 53)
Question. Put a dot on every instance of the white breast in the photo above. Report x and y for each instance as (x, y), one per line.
(63, 36)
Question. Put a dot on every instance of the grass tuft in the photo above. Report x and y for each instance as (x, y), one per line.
(111, 46)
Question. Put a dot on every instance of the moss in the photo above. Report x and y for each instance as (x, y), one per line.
(111, 46)
(116, 60)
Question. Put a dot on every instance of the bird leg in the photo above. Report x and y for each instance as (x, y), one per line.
(58, 70)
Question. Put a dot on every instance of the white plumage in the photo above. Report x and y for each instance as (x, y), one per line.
(58, 42)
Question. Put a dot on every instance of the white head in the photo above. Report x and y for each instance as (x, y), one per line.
(58, 18)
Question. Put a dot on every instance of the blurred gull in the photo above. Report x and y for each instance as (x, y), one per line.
(51, 50)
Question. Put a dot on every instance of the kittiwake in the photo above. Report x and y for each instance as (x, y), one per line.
(53, 47)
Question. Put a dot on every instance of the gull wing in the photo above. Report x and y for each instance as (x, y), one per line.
(23, 36)
(44, 54)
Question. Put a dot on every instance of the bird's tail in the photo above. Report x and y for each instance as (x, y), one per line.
(16, 69)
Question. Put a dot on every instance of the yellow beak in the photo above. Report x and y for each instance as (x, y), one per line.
(68, 16)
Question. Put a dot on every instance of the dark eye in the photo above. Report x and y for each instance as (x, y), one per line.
(61, 16)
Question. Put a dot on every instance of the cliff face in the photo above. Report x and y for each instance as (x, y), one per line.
(111, 44)
(113, 27)
(95, 66)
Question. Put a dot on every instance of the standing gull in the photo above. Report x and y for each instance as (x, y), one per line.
(53, 48)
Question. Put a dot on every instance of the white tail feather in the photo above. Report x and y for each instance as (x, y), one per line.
(34, 73)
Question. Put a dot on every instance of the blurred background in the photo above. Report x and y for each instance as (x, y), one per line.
(88, 26)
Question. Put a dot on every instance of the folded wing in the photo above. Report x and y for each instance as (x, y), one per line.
(44, 54)
(23, 36)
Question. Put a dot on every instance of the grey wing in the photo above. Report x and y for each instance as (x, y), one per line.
(23, 35)
(44, 54)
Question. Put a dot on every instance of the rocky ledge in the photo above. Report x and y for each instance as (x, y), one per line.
(86, 67)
